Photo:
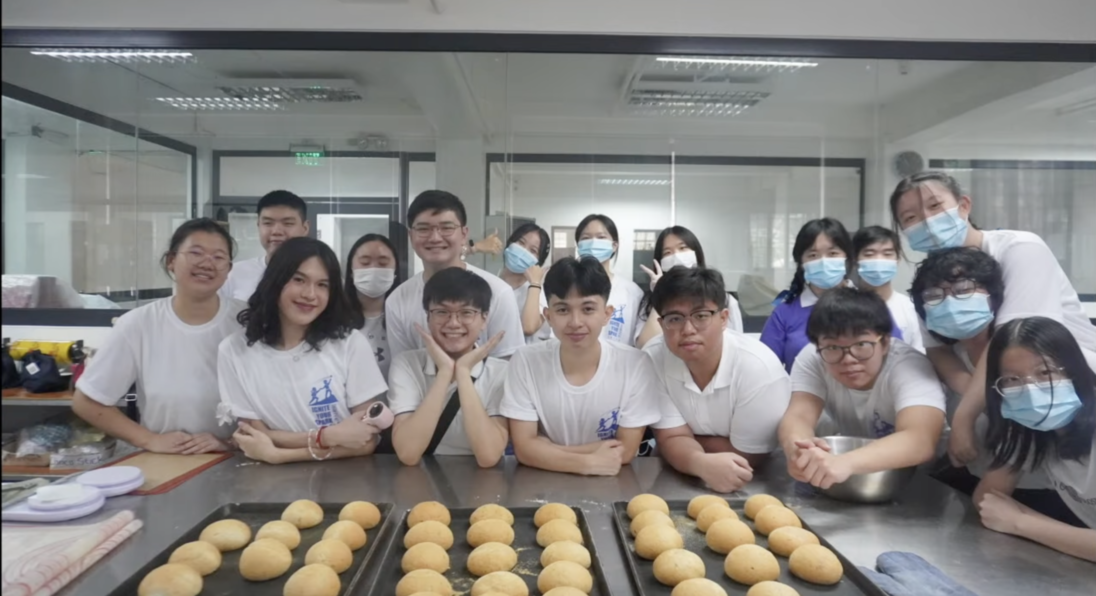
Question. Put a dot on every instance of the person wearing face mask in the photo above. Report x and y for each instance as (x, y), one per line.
(933, 213)
(371, 275)
(168, 348)
(878, 251)
(523, 259)
(957, 291)
(1041, 403)
(822, 251)
(676, 246)
(597, 237)
(870, 384)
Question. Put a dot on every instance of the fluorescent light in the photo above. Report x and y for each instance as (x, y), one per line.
(219, 103)
(114, 55)
(765, 62)
(693, 103)
(634, 181)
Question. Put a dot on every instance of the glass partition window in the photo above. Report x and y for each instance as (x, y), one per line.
(741, 150)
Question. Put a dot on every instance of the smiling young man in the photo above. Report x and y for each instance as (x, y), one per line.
(438, 230)
(446, 396)
(870, 384)
(282, 215)
(579, 404)
(726, 392)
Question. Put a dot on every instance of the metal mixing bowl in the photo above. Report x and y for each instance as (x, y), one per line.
(877, 487)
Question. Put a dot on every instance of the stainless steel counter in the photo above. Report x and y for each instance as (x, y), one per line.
(930, 519)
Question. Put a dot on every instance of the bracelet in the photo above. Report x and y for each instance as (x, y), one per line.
(319, 438)
(308, 443)
(532, 286)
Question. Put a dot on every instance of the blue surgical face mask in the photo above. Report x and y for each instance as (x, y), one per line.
(824, 273)
(517, 259)
(959, 318)
(943, 230)
(599, 248)
(1039, 406)
(877, 272)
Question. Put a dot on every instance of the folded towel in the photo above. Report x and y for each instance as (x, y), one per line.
(40, 560)
(906, 574)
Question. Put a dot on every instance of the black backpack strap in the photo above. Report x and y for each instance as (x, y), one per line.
(446, 420)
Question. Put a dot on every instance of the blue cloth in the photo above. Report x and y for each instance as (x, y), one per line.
(785, 331)
(906, 574)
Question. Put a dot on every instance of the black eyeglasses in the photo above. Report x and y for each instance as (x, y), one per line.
(861, 350)
(445, 230)
(960, 288)
(700, 320)
(465, 316)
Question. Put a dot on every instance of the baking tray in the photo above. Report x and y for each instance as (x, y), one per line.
(227, 580)
(525, 543)
(642, 573)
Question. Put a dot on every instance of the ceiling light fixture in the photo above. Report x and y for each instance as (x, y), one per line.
(294, 94)
(191, 104)
(693, 103)
(634, 181)
(760, 62)
(115, 55)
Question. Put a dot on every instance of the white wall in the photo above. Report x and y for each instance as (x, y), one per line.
(332, 177)
(981, 20)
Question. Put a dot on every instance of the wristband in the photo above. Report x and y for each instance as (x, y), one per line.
(532, 286)
(308, 443)
(319, 438)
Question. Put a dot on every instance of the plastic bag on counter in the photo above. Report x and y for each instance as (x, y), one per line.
(45, 438)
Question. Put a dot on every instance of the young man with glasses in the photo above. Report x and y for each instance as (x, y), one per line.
(438, 230)
(282, 215)
(579, 403)
(423, 383)
(726, 392)
(870, 384)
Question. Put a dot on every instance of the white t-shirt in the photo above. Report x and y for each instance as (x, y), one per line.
(625, 298)
(1075, 482)
(545, 332)
(299, 389)
(404, 309)
(377, 335)
(173, 364)
(906, 319)
(907, 379)
(244, 278)
(744, 401)
(413, 375)
(1035, 285)
(624, 392)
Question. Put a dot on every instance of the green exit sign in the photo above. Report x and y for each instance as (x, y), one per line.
(309, 158)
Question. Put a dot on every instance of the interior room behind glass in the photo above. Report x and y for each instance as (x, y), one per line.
(104, 155)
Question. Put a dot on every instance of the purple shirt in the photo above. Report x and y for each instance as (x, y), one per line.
(786, 330)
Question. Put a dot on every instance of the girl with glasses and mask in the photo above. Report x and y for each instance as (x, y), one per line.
(878, 251)
(372, 273)
(869, 384)
(597, 237)
(302, 382)
(933, 213)
(523, 259)
(676, 246)
(1041, 402)
(168, 348)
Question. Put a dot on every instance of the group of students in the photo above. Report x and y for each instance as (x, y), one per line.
(570, 366)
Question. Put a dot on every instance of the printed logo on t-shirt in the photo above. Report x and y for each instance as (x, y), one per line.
(378, 352)
(323, 403)
(881, 427)
(607, 425)
(1062, 487)
(616, 324)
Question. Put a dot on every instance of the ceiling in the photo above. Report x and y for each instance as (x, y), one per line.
(421, 96)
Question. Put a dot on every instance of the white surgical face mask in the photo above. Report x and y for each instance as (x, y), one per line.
(685, 258)
(375, 281)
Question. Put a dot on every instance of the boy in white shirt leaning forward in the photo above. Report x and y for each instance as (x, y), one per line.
(726, 392)
(869, 383)
(446, 396)
(576, 403)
